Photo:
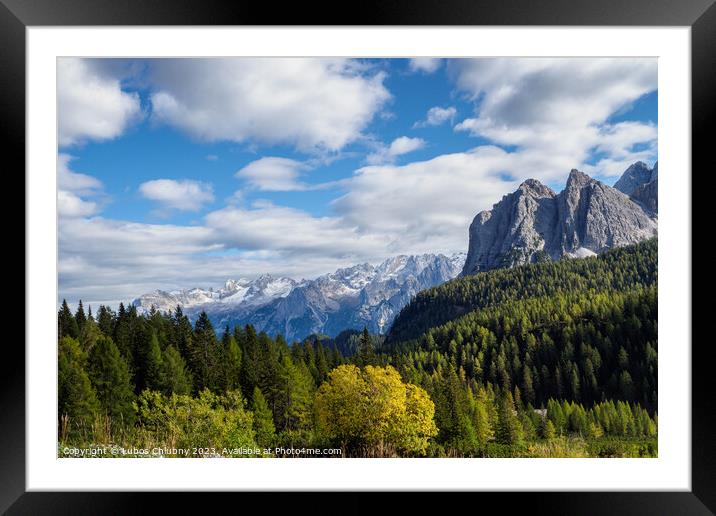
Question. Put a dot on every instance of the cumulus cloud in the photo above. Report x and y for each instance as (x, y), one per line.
(424, 64)
(436, 116)
(312, 104)
(557, 106)
(269, 227)
(183, 195)
(91, 104)
(109, 260)
(75, 191)
(398, 147)
(428, 205)
(273, 174)
(71, 205)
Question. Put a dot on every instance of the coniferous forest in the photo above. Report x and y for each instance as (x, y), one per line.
(551, 359)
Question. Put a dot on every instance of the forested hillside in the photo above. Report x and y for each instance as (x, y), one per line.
(544, 360)
(615, 270)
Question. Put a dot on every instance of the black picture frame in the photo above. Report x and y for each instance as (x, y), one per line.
(700, 15)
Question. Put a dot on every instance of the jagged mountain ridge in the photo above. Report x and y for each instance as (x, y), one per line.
(349, 298)
(535, 223)
(641, 184)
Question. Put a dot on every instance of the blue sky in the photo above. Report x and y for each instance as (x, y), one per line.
(176, 173)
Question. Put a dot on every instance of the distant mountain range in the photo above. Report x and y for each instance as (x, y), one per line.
(351, 298)
(531, 224)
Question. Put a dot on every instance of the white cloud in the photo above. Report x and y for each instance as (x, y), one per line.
(70, 205)
(184, 195)
(104, 259)
(74, 181)
(113, 260)
(424, 64)
(273, 174)
(556, 106)
(427, 206)
(398, 147)
(269, 227)
(90, 103)
(436, 116)
(313, 104)
(72, 187)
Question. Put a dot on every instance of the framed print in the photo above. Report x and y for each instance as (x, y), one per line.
(425, 248)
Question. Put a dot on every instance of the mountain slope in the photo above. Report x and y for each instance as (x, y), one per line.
(350, 298)
(534, 223)
(615, 270)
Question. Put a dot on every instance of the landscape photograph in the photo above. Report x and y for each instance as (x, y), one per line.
(357, 257)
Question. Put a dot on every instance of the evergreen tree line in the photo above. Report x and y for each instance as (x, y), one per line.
(614, 270)
(586, 347)
(107, 362)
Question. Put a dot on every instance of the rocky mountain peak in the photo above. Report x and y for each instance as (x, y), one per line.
(534, 187)
(641, 184)
(534, 223)
(578, 179)
(636, 175)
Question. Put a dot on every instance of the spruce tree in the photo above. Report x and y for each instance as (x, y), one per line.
(249, 363)
(80, 317)
(509, 428)
(263, 420)
(67, 325)
(183, 332)
(105, 320)
(110, 377)
(202, 354)
(366, 355)
(153, 369)
(231, 361)
(176, 376)
(77, 399)
(122, 334)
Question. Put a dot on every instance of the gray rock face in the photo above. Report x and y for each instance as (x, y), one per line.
(642, 187)
(636, 175)
(533, 224)
(350, 298)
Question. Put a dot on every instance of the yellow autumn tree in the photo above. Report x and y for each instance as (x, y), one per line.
(370, 411)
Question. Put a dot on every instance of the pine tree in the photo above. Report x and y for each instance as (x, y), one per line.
(89, 335)
(366, 355)
(122, 334)
(202, 354)
(548, 431)
(183, 332)
(483, 428)
(321, 363)
(249, 363)
(105, 320)
(509, 428)
(263, 420)
(232, 361)
(527, 385)
(293, 398)
(110, 377)
(67, 325)
(177, 378)
(76, 397)
(80, 317)
(153, 368)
